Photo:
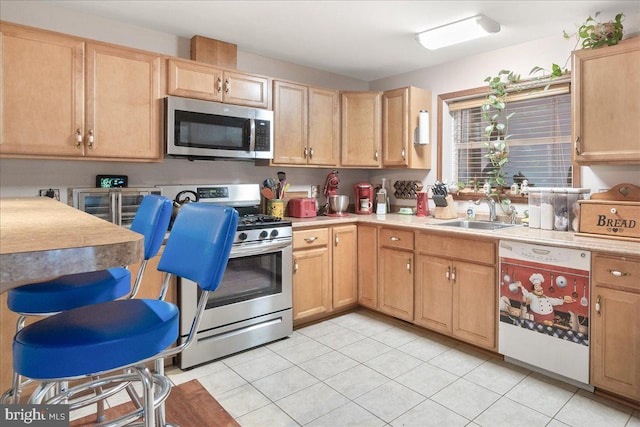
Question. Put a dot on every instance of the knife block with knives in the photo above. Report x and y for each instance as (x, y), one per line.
(445, 208)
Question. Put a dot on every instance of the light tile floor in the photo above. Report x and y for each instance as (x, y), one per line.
(364, 369)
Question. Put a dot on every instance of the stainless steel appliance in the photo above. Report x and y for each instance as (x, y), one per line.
(252, 306)
(116, 205)
(204, 129)
(544, 309)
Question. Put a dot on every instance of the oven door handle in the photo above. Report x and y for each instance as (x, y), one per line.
(258, 249)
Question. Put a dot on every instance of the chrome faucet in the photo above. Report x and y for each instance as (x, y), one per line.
(492, 207)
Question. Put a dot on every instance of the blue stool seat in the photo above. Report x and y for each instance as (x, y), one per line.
(94, 339)
(70, 291)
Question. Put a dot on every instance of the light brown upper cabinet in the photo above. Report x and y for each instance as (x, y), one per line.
(605, 108)
(65, 97)
(361, 127)
(192, 79)
(400, 116)
(306, 130)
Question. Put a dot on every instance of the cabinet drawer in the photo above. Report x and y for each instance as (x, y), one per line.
(480, 251)
(617, 271)
(398, 239)
(310, 238)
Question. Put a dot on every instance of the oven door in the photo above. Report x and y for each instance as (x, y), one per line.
(256, 282)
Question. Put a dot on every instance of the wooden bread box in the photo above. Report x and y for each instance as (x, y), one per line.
(613, 214)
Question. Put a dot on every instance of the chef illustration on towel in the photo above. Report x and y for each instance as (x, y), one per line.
(541, 306)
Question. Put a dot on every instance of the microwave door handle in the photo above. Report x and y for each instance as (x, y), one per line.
(252, 135)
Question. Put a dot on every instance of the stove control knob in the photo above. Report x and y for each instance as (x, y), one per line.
(274, 233)
(263, 234)
(242, 236)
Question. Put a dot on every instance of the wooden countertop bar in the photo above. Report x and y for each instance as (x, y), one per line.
(41, 238)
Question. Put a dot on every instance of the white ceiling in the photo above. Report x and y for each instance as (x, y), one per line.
(366, 40)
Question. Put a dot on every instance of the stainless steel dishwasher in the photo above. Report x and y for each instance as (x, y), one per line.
(544, 305)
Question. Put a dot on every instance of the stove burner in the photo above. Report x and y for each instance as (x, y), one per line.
(258, 218)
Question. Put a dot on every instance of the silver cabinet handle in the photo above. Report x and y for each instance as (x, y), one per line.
(409, 265)
(394, 239)
(78, 138)
(403, 153)
(375, 155)
(447, 274)
(310, 239)
(219, 87)
(305, 152)
(598, 304)
(311, 153)
(227, 86)
(295, 265)
(617, 273)
(337, 239)
(577, 145)
(91, 140)
(453, 275)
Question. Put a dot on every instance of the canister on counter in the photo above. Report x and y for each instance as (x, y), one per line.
(534, 207)
(560, 214)
(573, 207)
(546, 209)
(275, 207)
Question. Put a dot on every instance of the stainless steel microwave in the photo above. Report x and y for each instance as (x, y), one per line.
(204, 129)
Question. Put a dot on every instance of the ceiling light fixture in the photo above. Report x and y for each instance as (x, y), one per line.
(458, 32)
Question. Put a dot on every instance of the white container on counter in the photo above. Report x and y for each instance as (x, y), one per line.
(546, 209)
(534, 208)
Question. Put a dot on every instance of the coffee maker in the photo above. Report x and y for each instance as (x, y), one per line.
(364, 198)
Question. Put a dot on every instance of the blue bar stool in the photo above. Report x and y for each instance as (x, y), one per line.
(116, 339)
(82, 289)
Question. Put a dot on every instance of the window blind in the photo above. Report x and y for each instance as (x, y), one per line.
(539, 142)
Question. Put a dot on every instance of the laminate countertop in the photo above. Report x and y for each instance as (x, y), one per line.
(518, 233)
(42, 238)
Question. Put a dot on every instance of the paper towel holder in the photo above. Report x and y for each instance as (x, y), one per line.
(421, 134)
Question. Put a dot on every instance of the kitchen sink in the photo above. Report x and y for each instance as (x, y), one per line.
(478, 225)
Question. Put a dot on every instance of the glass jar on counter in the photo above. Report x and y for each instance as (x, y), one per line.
(573, 207)
(546, 209)
(560, 214)
(534, 208)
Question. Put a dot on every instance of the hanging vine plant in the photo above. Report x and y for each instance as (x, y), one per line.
(497, 131)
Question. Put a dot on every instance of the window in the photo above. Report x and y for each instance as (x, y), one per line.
(539, 142)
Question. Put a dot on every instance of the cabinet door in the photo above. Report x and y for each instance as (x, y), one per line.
(246, 89)
(324, 126)
(434, 293)
(361, 129)
(615, 348)
(41, 93)
(474, 303)
(290, 104)
(605, 109)
(395, 127)
(395, 293)
(368, 266)
(194, 80)
(344, 265)
(122, 103)
(311, 284)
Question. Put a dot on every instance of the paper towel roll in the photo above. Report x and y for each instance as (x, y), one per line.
(423, 127)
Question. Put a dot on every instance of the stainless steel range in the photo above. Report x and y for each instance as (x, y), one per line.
(252, 306)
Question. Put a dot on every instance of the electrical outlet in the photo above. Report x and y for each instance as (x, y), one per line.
(54, 193)
(315, 190)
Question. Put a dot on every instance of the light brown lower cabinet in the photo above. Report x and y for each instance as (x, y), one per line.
(368, 266)
(324, 271)
(395, 274)
(615, 325)
(455, 290)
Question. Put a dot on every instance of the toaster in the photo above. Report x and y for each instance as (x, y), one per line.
(302, 208)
